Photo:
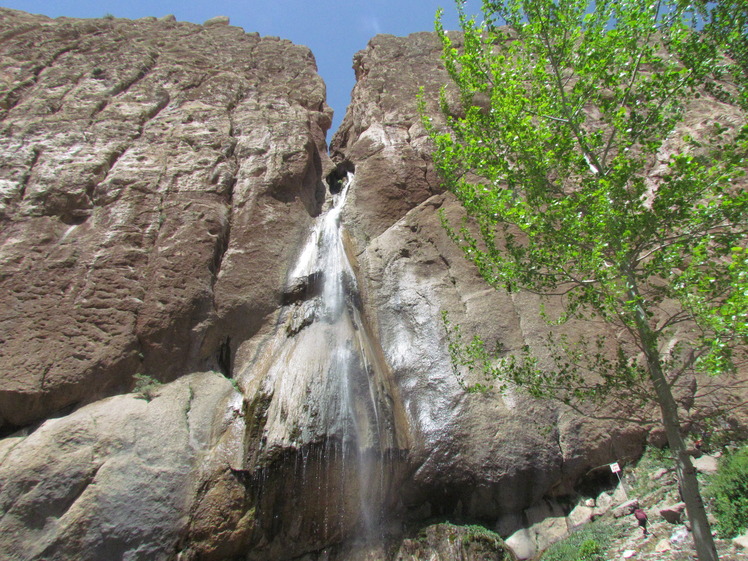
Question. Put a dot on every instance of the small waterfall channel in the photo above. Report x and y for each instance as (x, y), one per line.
(326, 432)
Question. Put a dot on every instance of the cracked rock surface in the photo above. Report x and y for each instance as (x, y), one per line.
(158, 181)
(155, 180)
(110, 480)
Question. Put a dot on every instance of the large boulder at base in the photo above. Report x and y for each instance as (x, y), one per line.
(113, 480)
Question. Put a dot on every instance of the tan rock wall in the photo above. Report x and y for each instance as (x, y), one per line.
(157, 182)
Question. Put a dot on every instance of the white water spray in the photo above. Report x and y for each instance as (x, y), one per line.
(326, 385)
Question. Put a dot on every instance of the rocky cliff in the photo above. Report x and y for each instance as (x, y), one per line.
(157, 178)
(139, 161)
(165, 217)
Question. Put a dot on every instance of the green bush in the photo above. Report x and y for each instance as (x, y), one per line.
(590, 550)
(586, 544)
(145, 386)
(728, 491)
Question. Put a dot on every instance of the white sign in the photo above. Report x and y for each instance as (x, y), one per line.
(615, 468)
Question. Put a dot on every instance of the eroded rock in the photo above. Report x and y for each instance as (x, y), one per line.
(114, 479)
(673, 513)
(156, 180)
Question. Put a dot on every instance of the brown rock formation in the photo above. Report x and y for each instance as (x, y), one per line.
(483, 456)
(156, 178)
(162, 212)
(381, 132)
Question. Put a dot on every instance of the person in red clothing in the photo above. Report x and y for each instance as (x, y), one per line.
(641, 517)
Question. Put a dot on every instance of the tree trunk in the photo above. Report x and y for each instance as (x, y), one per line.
(686, 473)
(689, 484)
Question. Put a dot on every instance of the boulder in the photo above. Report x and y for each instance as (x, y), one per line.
(673, 513)
(603, 503)
(116, 477)
(549, 531)
(680, 535)
(706, 464)
(741, 541)
(620, 494)
(654, 476)
(625, 508)
(522, 544)
(579, 515)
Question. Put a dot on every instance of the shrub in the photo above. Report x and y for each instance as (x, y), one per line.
(145, 386)
(590, 550)
(728, 491)
(586, 544)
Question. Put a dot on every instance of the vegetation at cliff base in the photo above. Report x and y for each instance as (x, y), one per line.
(568, 150)
(145, 386)
(728, 491)
(589, 543)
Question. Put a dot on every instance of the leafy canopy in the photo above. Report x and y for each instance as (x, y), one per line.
(565, 150)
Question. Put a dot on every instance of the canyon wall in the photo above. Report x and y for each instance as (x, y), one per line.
(139, 162)
(165, 218)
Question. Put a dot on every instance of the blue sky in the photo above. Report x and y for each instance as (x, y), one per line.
(333, 29)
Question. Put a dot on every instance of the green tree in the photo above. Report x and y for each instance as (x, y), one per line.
(566, 154)
(727, 27)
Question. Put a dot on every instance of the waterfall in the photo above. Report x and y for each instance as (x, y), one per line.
(329, 424)
(327, 322)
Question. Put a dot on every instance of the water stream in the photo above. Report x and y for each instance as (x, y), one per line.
(330, 426)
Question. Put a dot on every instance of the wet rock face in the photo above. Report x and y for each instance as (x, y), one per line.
(489, 456)
(155, 180)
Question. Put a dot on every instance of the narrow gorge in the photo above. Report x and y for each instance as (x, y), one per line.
(221, 341)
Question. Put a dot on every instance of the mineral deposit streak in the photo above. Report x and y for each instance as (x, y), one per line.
(326, 382)
(325, 256)
(351, 398)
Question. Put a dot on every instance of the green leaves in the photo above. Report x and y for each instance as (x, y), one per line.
(729, 493)
(557, 165)
(569, 159)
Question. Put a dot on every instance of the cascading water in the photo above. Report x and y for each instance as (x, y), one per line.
(328, 415)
